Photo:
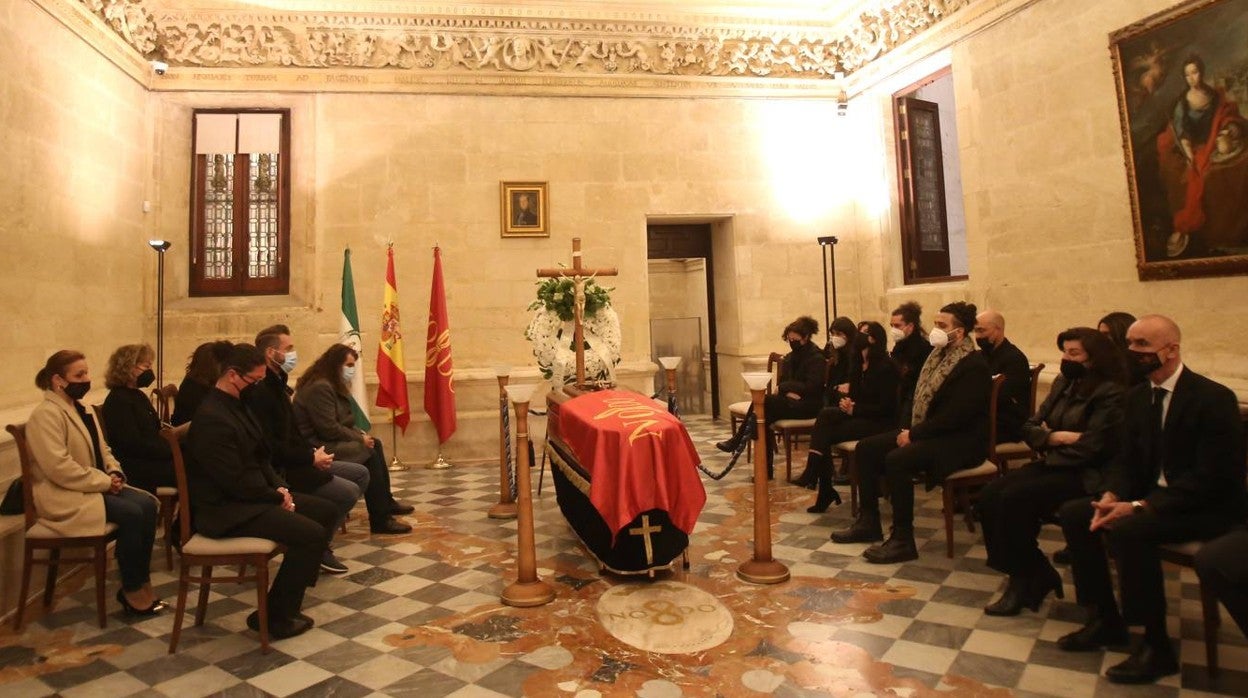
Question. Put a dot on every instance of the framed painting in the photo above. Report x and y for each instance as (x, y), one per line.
(1182, 75)
(524, 209)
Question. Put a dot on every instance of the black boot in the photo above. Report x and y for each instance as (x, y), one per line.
(1039, 584)
(899, 547)
(743, 433)
(1011, 601)
(864, 529)
(827, 494)
(814, 468)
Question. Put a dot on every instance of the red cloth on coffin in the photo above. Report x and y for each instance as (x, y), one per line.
(638, 457)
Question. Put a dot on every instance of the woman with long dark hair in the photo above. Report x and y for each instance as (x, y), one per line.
(869, 408)
(325, 418)
(203, 369)
(1074, 431)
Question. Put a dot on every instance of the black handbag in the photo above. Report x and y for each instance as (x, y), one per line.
(12, 504)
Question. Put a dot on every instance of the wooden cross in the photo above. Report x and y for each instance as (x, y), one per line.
(644, 530)
(579, 276)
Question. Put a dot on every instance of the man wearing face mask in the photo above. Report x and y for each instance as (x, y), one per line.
(308, 470)
(235, 492)
(945, 431)
(1179, 476)
(799, 393)
(132, 423)
(910, 348)
(1004, 358)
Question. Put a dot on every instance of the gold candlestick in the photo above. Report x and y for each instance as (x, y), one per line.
(527, 590)
(762, 569)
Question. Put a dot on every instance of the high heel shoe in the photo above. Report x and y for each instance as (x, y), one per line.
(1039, 585)
(156, 607)
(1011, 601)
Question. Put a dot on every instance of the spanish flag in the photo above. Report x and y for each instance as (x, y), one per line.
(439, 369)
(391, 378)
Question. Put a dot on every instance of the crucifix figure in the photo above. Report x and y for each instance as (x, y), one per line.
(579, 276)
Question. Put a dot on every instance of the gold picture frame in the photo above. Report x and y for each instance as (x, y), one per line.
(1179, 79)
(524, 209)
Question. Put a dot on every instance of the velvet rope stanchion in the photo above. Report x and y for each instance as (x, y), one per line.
(506, 506)
(762, 569)
(527, 590)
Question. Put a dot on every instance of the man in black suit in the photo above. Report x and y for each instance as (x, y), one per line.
(1014, 401)
(945, 431)
(1178, 477)
(235, 492)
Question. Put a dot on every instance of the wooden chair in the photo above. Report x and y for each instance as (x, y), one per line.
(200, 550)
(167, 496)
(848, 451)
(162, 399)
(957, 486)
(738, 410)
(1002, 454)
(1184, 555)
(790, 431)
(38, 537)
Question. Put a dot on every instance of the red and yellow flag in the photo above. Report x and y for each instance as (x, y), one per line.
(391, 378)
(439, 369)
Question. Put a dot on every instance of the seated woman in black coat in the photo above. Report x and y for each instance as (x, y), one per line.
(202, 370)
(870, 408)
(131, 421)
(839, 350)
(1074, 433)
(799, 393)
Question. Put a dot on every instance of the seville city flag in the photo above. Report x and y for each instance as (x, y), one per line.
(391, 378)
(439, 370)
(349, 334)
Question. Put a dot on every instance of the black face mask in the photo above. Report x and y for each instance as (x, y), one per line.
(861, 343)
(1073, 370)
(145, 378)
(985, 345)
(1144, 363)
(78, 390)
(795, 344)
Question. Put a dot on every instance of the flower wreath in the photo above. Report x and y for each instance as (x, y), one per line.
(552, 332)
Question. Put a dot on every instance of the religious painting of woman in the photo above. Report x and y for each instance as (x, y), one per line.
(1182, 75)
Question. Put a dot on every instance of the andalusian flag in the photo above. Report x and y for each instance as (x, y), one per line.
(439, 369)
(349, 334)
(391, 378)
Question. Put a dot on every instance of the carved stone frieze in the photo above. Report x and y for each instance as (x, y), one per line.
(501, 45)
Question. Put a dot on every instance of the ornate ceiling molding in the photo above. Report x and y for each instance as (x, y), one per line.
(525, 52)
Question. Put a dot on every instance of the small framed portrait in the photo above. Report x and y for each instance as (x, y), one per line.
(524, 210)
(1181, 84)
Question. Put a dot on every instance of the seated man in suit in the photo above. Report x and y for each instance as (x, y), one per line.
(1222, 565)
(1179, 476)
(946, 431)
(235, 492)
(1014, 401)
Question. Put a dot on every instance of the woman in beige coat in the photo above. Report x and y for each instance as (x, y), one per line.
(78, 486)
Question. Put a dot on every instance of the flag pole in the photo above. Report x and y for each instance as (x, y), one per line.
(437, 354)
(396, 465)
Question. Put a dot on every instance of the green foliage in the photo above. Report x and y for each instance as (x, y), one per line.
(559, 295)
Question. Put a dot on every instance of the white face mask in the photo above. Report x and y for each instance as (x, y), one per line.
(837, 341)
(291, 360)
(938, 338)
(896, 333)
(348, 373)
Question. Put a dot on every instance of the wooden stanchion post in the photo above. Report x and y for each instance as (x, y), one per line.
(506, 506)
(527, 590)
(762, 568)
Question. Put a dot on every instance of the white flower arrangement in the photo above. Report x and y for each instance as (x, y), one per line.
(553, 335)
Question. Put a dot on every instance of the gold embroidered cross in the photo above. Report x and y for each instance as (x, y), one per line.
(644, 530)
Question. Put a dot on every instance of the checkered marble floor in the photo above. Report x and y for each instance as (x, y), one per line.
(419, 615)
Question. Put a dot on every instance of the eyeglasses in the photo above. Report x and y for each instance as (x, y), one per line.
(248, 379)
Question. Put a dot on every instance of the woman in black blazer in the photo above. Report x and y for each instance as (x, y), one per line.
(202, 371)
(131, 421)
(870, 408)
(1074, 431)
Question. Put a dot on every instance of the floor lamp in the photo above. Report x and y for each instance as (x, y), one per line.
(827, 250)
(161, 246)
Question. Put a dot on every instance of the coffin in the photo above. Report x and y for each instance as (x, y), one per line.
(626, 477)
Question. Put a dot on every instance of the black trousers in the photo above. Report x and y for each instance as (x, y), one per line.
(1133, 544)
(1011, 509)
(1222, 565)
(135, 516)
(305, 532)
(377, 497)
(880, 456)
(832, 426)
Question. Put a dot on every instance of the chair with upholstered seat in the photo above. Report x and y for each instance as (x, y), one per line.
(39, 537)
(958, 485)
(200, 550)
(848, 451)
(1002, 454)
(738, 410)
